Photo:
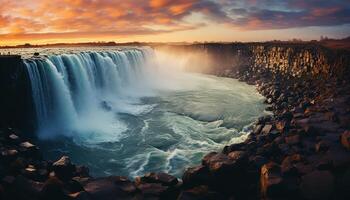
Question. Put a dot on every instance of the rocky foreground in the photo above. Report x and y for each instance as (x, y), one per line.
(300, 152)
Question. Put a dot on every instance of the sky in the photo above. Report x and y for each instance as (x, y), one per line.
(72, 21)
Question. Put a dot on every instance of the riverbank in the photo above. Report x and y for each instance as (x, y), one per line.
(301, 152)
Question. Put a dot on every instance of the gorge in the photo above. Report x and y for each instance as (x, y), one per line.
(306, 86)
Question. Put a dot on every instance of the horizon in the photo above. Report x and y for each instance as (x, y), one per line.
(84, 21)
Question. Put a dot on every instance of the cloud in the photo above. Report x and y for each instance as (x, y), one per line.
(273, 14)
(24, 19)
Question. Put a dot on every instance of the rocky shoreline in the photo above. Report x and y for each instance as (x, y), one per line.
(301, 152)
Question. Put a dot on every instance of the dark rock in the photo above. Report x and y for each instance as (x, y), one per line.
(345, 139)
(271, 181)
(199, 193)
(110, 188)
(257, 129)
(82, 171)
(54, 189)
(194, 176)
(293, 140)
(233, 147)
(257, 161)
(317, 185)
(218, 163)
(152, 189)
(74, 186)
(63, 168)
(83, 195)
(288, 164)
(206, 158)
(163, 178)
(321, 146)
(266, 130)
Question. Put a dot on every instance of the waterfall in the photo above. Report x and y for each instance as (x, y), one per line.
(77, 92)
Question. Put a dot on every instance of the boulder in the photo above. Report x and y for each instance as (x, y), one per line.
(257, 129)
(293, 139)
(163, 178)
(266, 130)
(321, 146)
(54, 189)
(345, 139)
(317, 185)
(110, 188)
(271, 181)
(199, 192)
(281, 126)
(233, 147)
(82, 171)
(194, 176)
(83, 195)
(218, 163)
(27, 145)
(63, 168)
(152, 189)
(288, 166)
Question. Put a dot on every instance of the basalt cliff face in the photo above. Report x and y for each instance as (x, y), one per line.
(287, 59)
(302, 151)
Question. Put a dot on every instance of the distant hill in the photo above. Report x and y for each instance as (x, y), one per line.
(336, 43)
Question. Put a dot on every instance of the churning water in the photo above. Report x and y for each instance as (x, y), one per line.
(130, 111)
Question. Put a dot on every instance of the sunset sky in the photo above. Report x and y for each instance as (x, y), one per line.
(53, 21)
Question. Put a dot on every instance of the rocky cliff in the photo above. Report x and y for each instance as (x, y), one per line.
(287, 59)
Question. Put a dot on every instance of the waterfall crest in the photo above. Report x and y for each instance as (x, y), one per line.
(77, 92)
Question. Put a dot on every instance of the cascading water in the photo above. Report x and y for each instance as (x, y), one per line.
(72, 92)
(130, 111)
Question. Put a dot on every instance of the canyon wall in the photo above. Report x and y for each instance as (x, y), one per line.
(287, 59)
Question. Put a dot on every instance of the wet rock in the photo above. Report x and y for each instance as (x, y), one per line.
(198, 193)
(194, 176)
(257, 129)
(257, 161)
(233, 147)
(218, 163)
(292, 140)
(321, 146)
(163, 178)
(239, 157)
(281, 126)
(54, 189)
(345, 139)
(266, 130)
(288, 165)
(271, 181)
(317, 185)
(110, 188)
(82, 171)
(63, 168)
(152, 189)
(206, 158)
(74, 186)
